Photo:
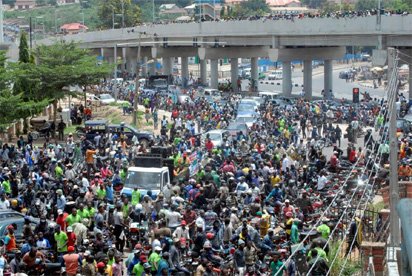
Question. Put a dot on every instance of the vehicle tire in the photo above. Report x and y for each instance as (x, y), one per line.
(144, 142)
(35, 135)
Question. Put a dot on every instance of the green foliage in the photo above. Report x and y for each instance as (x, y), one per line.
(58, 67)
(314, 4)
(366, 5)
(107, 8)
(12, 105)
(41, 2)
(400, 5)
(55, 16)
(353, 265)
(248, 8)
(24, 55)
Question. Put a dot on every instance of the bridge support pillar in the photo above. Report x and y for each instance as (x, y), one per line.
(328, 78)
(203, 71)
(307, 78)
(286, 78)
(254, 73)
(123, 66)
(185, 70)
(410, 80)
(131, 66)
(102, 52)
(214, 73)
(143, 67)
(153, 67)
(167, 65)
(234, 73)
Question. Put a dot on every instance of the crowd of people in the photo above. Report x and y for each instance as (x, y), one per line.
(292, 15)
(251, 201)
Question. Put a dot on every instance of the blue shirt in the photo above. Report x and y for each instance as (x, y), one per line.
(162, 265)
(109, 193)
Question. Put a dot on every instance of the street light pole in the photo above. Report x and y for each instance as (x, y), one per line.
(137, 83)
(153, 11)
(1, 22)
(122, 13)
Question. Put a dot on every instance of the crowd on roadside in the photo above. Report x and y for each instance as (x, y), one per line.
(253, 199)
(347, 14)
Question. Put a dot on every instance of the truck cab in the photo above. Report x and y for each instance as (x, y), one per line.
(146, 179)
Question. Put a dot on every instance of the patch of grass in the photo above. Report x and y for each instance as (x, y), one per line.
(69, 129)
(352, 267)
(115, 118)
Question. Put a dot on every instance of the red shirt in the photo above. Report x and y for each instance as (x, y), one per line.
(71, 239)
(209, 145)
(352, 156)
(61, 220)
(333, 161)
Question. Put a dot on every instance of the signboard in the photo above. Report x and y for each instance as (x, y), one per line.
(195, 159)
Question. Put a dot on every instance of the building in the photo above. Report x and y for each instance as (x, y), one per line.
(284, 3)
(24, 4)
(172, 9)
(66, 2)
(73, 28)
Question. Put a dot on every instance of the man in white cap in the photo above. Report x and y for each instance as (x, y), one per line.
(239, 258)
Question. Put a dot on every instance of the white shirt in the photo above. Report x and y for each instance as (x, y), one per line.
(285, 164)
(4, 205)
(322, 180)
(173, 219)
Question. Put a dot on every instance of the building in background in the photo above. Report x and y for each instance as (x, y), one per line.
(25, 4)
(73, 28)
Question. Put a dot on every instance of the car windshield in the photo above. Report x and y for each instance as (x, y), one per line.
(105, 97)
(214, 136)
(246, 107)
(245, 119)
(236, 126)
(143, 180)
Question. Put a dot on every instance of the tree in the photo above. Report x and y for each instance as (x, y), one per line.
(314, 4)
(41, 2)
(259, 6)
(60, 66)
(363, 5)
(108, 8)
(24, 55)
(12, 105)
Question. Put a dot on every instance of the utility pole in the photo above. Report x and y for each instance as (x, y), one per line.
(1, 22)
(31, 33)
(115, 73)
(393, 148)
(153, 11)
(137, 83)
(122, 13)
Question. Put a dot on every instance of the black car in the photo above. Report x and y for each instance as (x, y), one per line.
(92, 127)
(145, 137)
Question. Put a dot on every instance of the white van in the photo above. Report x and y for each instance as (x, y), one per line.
(269, 95)
(275, 75)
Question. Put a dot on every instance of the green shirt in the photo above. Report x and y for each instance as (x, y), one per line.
(135, 197)
(324, 230)
(321, 253)
(91, 212)
(58, 171)
(61, 241)
(154, 258)
(138, 269)
(101, 193)
(83, 214)
(275, 267)
(6, 186)
(73, 219)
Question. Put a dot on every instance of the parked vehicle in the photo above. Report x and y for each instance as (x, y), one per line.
(235, 127)
(92, 127)
(217, 136)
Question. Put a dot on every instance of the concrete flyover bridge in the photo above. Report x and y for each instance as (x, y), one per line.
(282, 40)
